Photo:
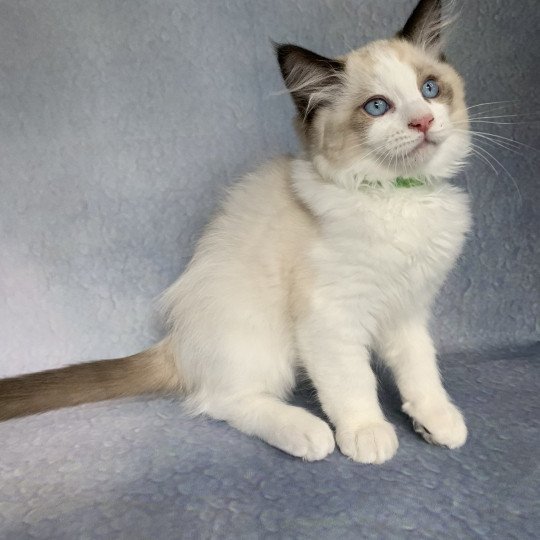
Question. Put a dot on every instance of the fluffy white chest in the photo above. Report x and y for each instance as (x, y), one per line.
(387, 249)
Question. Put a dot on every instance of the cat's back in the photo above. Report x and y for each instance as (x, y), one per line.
(253, 241)
(260, 219)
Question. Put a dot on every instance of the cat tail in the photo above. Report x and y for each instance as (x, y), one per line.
(147, 372)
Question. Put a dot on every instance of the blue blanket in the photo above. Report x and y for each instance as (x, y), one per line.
(120, 125)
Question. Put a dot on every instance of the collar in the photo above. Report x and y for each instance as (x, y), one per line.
(401, 182)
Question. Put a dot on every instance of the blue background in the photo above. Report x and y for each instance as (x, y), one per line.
(120, 124)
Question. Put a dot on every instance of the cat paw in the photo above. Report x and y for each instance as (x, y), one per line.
(372, 443)
(440, 424)
(312, 439)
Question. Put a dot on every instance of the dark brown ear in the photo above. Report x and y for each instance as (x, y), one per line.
(423, 28)
(311, 79)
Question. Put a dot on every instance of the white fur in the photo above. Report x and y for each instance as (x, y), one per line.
(304, 267)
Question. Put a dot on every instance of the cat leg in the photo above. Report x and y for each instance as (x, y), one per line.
(339, 366)
(245, 375)
(408, 350)
(291, 429)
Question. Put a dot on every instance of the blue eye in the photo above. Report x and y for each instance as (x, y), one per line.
(376, 107)
(430, 89)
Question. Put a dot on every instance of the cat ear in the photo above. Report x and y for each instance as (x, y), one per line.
(311, 79)
(423, 27)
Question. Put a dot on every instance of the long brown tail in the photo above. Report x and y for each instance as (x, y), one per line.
(145, 372)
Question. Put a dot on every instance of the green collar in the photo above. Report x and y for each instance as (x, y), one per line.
(401, 182)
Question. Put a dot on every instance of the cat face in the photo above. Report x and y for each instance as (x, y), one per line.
(392, 108)
(399, 112)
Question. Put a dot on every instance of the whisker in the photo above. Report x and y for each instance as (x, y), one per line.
(491, 110)
(504, 169)
(500, 144)
(382, 159)
(374, 150)
(521, 115)
(491, 103)
(510, 143)
(517, 143)
(479, 121)
(478, 154)
(501, 137)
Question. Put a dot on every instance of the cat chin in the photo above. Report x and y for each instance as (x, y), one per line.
(438, 161)
(423, 148)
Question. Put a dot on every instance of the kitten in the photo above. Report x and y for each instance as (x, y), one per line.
(315, 261)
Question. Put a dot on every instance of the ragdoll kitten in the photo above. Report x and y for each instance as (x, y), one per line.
(315, 261)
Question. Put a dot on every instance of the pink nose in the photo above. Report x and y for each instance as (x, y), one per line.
(422, 124)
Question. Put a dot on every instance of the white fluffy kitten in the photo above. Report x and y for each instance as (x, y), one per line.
(315, 261)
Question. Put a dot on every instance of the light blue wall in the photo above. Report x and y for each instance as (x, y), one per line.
(121, 121)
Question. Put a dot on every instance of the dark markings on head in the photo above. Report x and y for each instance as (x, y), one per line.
(424, 25)
(307, 75)
(423, 73)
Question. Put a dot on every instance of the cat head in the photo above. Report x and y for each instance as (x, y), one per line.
(392, 108)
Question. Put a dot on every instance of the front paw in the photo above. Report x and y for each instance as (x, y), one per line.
(371, 443)
(439, 423)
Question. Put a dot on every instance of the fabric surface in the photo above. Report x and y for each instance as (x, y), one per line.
(120, 125)
(138, 470)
